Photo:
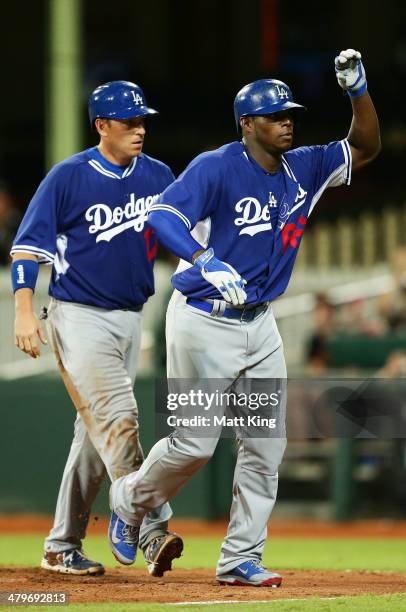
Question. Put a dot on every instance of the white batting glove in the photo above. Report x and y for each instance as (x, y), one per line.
(222, 276)
(350, 73)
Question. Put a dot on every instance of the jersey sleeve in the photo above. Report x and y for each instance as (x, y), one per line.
(333, 164)
(166, 177)
(169, 177)
(38, 230)
(191, 197)
(325, 165)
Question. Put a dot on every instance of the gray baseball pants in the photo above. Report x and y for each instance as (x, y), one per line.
(201, 346)
(97, 352)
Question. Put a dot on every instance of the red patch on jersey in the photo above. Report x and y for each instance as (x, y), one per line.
(151, 242)
(291, 233)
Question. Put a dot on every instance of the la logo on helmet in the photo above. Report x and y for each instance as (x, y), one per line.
(137, 98)
(282, 92)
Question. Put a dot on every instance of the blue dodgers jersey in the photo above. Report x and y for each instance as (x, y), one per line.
(253, 219)
(88, 218)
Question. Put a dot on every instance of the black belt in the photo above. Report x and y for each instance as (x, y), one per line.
(219, 308)
(135, 308)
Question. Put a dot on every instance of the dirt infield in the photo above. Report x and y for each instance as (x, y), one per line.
(134, 585)
(31, 523)
(124, 585)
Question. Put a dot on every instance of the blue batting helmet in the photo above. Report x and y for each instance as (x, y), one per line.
(263, 97)
(118, 100)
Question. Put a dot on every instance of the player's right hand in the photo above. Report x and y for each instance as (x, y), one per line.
(27, 331)
(222, 276)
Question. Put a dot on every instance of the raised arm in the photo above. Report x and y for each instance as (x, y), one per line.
(364, 135)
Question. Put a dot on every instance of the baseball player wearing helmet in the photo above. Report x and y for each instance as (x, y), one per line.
(88, 220)
(247, 204)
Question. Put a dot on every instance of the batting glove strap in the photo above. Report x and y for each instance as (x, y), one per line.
(204, 258)
(222, 276)
(350, 73)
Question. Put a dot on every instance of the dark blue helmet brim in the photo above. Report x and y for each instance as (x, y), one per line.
(134, 111)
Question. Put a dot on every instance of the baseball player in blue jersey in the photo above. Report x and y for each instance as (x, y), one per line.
(88, 220)
(247, 204)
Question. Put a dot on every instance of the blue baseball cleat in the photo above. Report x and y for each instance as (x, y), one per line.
(123, 540)
(250, 573)
(71, 562)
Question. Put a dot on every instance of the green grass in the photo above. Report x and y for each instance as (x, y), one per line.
(366, 603)
(280, 553)
(298, 553)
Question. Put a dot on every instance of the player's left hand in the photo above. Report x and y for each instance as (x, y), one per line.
(350, 72)
(223, 276)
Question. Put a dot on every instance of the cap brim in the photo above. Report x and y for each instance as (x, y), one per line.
(133, 112)
(282, 107)
(294, 106)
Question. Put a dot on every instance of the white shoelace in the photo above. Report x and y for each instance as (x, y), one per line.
(258, 564)
(130, 534)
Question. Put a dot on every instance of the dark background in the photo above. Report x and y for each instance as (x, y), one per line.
(192, 57)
